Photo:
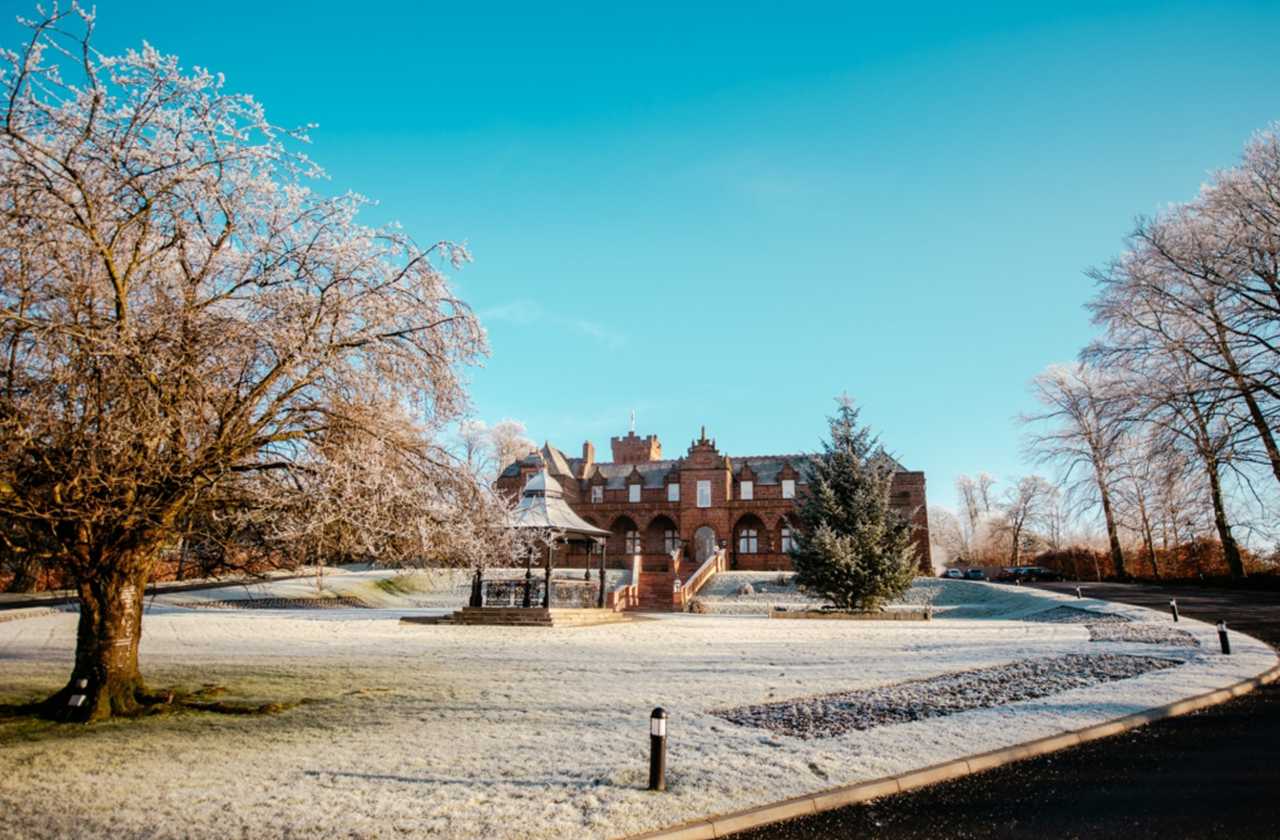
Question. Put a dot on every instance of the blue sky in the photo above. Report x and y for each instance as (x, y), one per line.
(730, 214)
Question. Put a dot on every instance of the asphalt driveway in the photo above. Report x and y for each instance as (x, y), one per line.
(1212, 774)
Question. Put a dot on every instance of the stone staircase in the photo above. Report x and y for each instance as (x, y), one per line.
(654, 589)
(520, 617)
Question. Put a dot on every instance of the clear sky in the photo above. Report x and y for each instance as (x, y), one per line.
(730, 214)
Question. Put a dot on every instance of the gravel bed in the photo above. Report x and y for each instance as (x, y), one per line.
(830, 715)
(276, 604)
(1075, 615)
(1150, 634)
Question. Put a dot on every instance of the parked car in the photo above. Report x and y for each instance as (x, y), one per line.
(1040, 573)
(953, 574)
(975, 574)
(1027, 574)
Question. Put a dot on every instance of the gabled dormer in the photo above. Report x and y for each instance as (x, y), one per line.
(745, 484)
(635, 485)
(595, 485)
(789, 478)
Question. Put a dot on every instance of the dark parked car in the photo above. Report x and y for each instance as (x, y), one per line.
(1028, 574)
(975, 574)
(954, 574)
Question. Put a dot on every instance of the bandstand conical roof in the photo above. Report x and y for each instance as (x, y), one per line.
(542, 505)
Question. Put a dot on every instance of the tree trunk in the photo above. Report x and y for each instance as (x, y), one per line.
(1113, 536)
(1148, 538)
(1230, 550)
(1245, 389)
(105, 680)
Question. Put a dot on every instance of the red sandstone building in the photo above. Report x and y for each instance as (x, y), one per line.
(704, 500)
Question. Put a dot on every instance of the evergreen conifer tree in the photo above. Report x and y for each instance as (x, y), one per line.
(851, 546)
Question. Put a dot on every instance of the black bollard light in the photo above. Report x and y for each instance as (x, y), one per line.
(1079, 594)
(1173, 608)
(1222, 638)
(658, 749)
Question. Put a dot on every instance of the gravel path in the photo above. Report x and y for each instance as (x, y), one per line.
(1150, 634)
(336, 603)
(829, 715)
(1075, 615)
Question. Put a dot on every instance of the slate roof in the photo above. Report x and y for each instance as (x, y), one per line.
(654, 473)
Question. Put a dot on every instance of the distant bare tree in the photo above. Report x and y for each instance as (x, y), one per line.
(1084, 419)
(1138, 468)
(510, 441)
(1023, 509)
(1056, 518)
(947, 537)
(977, 508)
(475, 446)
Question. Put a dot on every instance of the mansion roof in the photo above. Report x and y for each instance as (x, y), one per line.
(765, 469)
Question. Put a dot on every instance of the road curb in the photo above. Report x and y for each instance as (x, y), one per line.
(723, 825)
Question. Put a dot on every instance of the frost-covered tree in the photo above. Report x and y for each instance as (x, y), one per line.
(1083, 420)
(946, 537)
(191, 334)
(1025, 506)
(509, 440)
(851, 546)
(977, 512)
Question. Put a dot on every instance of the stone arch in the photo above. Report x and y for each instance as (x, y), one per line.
(618, 535)
(659, 533)
(704, 543)
(785, 526)
(749, 535)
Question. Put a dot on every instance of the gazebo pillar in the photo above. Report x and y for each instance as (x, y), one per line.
(546, 587)
(600, 550)
(528, 577)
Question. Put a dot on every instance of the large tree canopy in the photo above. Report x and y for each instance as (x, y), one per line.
(191, 334)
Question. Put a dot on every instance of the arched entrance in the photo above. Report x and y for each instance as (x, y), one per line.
(749, 539)
(624, 537)
(662, 536)
(704, 544)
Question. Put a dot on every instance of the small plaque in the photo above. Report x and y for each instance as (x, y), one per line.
(77, 700)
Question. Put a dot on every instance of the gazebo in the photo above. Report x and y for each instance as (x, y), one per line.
(542, 507)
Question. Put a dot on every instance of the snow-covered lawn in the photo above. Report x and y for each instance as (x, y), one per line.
(495, 732)
(411, 589)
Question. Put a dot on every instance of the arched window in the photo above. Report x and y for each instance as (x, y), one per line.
(748, 541)
(632, 542)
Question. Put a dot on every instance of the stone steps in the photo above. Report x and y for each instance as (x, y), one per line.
(520, 617)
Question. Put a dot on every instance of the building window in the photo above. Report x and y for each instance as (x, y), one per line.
(704, 494)
(748, 541)
(670, 541)
(673, 492)
(788, 488)
(746, 490)
(597, 494)
(787, 542)
(632, 542)
(633, 492)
